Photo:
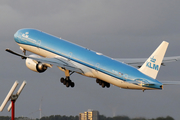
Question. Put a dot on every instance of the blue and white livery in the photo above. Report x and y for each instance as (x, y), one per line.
(69, 57)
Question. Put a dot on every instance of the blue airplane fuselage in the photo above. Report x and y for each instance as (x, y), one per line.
(99, 65)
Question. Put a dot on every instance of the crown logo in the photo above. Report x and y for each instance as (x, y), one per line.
(153, 59)
(26, 35)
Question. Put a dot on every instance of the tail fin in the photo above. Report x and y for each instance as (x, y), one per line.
(152, 65)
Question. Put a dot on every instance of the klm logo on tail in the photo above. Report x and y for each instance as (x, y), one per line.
(152, 64)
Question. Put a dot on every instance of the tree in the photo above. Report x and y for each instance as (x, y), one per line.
(167, 118)
(139, 118)
(121, 118)
(4, 118)
(102, 117)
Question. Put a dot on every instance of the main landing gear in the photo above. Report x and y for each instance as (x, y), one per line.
(66, 81)
(103, 83)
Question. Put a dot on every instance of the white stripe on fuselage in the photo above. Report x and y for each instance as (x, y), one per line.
(89, 72)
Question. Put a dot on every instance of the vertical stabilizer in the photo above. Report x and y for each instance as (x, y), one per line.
(152, 65)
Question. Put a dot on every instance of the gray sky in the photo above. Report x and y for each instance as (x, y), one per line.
(116, 28)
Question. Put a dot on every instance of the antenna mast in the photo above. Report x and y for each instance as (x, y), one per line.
(40, 110)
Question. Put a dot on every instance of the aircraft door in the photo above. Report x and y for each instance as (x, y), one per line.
(97, 66)
(38, 43)
(70, 55)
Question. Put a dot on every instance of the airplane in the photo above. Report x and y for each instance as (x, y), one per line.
(49, 51)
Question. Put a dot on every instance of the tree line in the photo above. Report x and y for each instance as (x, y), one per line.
(101, 117)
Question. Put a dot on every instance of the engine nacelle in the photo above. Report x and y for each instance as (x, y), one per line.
(36, 67)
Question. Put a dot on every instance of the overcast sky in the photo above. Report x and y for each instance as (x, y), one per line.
(116, 28)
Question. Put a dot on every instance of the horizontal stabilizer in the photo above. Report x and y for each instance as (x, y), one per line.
(170, 82)
(138, 62)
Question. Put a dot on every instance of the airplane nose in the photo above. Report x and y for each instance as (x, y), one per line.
(16, 36)
(161, 86)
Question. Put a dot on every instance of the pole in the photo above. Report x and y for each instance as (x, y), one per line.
(13, 109)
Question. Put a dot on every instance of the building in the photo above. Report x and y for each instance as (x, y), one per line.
(89, 115)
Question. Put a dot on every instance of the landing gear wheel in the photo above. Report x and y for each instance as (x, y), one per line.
(62, 80)
(107, 85)
(103, 85)
(69, 81)
(97, 80)
(100, 82)
(72, 84)
(67, 84)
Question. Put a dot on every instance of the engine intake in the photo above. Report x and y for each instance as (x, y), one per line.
(36, 67)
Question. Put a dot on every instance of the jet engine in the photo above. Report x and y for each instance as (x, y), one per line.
(35, 66)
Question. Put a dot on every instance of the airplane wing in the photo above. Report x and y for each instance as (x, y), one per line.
(57, 61)
(137, 62)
